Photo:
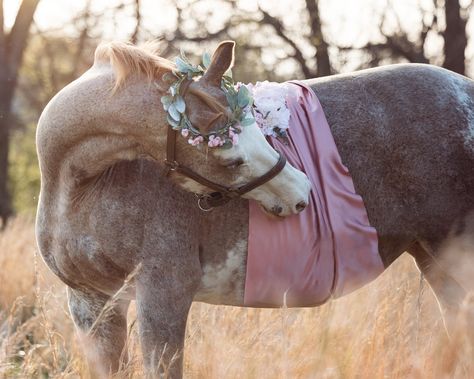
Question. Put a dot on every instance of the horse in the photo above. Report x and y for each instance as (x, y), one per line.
(109, 203)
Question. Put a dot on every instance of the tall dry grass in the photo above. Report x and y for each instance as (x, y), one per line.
(389, 329)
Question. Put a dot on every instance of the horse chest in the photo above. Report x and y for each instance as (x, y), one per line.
(223, 277)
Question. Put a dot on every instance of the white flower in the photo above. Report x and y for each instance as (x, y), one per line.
(270, 103)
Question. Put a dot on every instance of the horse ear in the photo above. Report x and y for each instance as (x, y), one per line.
(222, 60)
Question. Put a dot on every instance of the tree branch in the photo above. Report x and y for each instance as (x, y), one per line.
(398, 44)
(83, 36)
(181, 36)
(16, 41)
(279, 28)
(138, 18)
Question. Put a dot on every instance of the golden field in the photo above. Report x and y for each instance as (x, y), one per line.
(389, 329)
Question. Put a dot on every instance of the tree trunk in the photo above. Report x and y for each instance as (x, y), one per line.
(5, 199)
(455, 38)
(317, 39)
(12, 47)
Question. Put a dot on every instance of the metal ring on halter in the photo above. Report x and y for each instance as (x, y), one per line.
(200, 199)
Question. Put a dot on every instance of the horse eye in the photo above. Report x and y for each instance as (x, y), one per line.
(234, 163)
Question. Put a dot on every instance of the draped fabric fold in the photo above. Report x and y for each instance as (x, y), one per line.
(328, 250)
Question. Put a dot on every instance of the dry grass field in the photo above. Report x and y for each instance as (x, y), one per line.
(389, 329)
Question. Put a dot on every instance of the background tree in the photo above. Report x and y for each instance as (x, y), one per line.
(305, 44)
(446, 19)
(12, 45)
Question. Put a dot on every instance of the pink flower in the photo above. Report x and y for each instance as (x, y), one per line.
(196, 141)
(235, 139)
(184, 132)
(211, 141)
(217, 141)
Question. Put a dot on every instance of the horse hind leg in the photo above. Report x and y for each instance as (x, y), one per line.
(102, 330)
(448, 266)
(447, 289)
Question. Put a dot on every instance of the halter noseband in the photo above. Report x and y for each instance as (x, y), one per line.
(222, 194)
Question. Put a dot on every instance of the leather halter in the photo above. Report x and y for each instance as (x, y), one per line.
(222, 194)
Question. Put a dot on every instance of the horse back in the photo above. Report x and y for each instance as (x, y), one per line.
(406, 133)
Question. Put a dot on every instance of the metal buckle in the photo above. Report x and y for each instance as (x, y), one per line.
(201, 206)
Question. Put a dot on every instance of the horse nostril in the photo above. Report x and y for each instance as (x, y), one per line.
(277, 210)
(300, 206)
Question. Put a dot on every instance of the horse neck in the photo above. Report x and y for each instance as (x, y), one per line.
(86, 128)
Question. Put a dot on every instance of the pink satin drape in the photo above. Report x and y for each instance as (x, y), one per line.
(329, 249)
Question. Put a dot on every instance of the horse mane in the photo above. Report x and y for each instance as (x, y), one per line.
(128, 60)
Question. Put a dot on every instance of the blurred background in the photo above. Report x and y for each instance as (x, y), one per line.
(45, 44)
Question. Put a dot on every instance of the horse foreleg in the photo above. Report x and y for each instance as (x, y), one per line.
(164, 297)
(102, 329)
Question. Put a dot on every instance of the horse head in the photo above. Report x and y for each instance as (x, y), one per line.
(250, 168)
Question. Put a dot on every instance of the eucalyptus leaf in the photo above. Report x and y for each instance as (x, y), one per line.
(228, 73)
(174, 124)
(183, 55)
(173, 112)
(206, 59)
(228, 79)
(243, 97)
(228, 86)
(231, 100)
(166, 101)
(179, 104)
(182, 66)
(247, 121)
(173, 90)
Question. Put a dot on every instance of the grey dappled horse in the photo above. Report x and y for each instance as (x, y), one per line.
(406, 133)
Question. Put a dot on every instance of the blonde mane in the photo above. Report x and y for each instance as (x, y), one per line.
(128, 60)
